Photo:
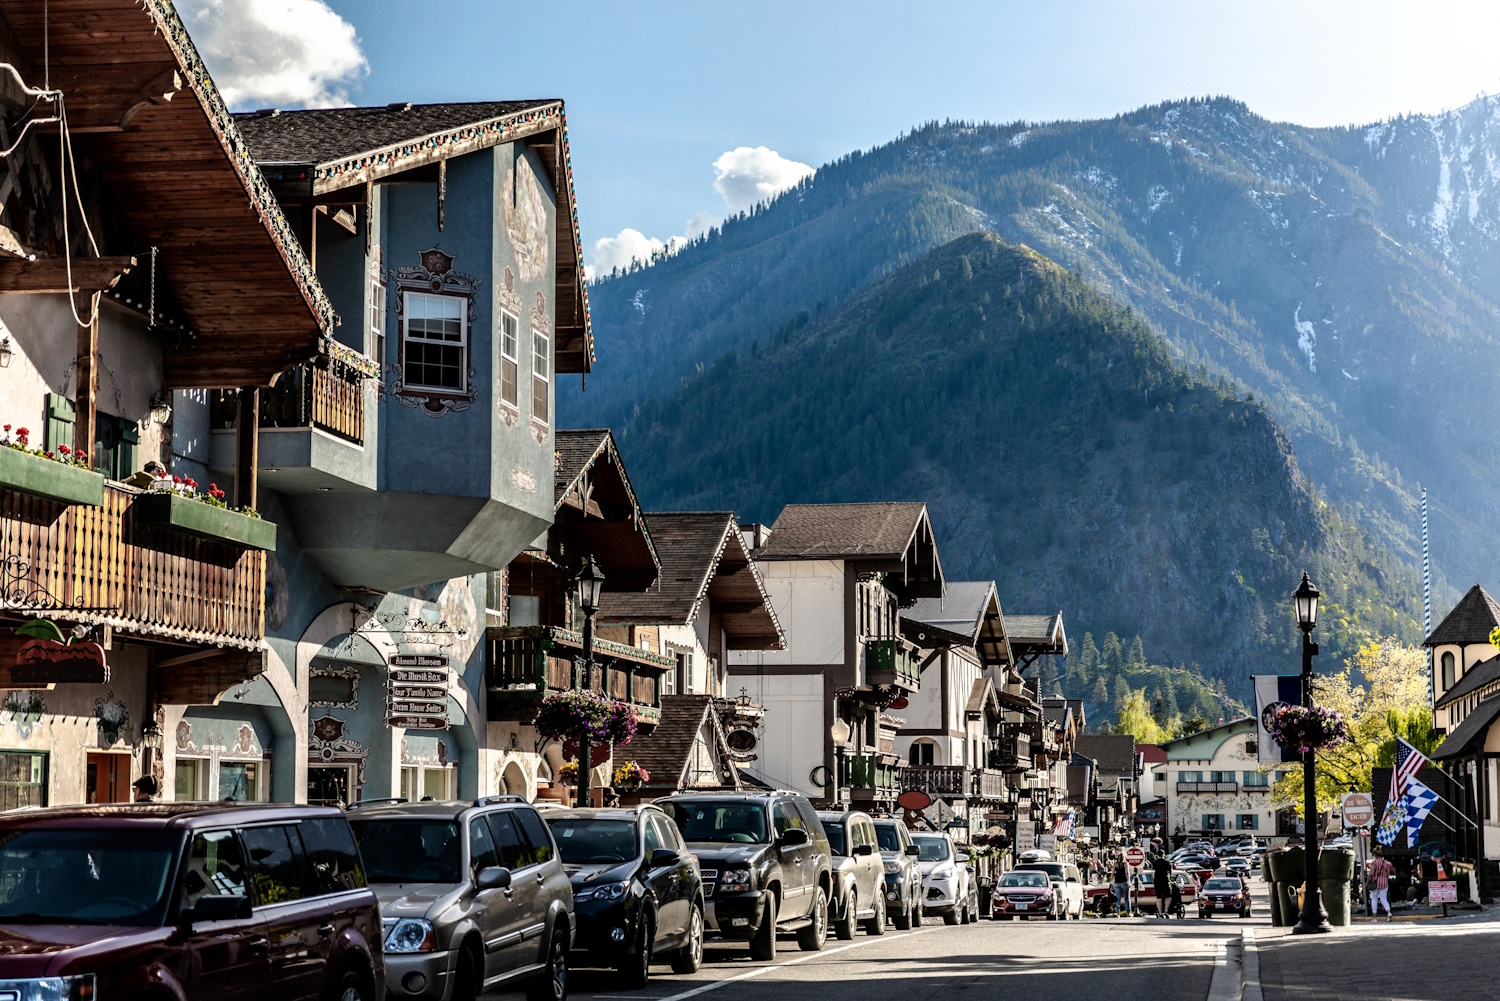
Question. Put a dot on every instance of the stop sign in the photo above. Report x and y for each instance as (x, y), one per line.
(1359, 811)
(1135, 857)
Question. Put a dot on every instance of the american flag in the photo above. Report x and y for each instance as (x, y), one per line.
(1409, 761)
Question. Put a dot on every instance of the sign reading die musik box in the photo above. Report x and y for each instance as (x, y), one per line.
(417, 691)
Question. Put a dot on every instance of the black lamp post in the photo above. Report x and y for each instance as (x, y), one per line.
(1314, 919)
(588, 583)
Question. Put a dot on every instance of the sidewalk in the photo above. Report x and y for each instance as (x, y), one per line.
(1379, 962)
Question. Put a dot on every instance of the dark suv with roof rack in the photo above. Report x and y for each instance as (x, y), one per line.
(472, 895)
(765, 862)
(166, 901)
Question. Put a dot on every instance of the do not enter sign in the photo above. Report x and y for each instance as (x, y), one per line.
(1359, 810)
(1134, 857)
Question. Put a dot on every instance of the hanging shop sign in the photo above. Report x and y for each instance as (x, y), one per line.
(46, 657)
(417, 691)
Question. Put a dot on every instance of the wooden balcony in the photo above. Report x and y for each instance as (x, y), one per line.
(1013, 754)
(870, 780)
(108, 564)
(987, 784)
(946, 781)
(1208, 787)
(322, 394)
(891, 662)
(525, 662)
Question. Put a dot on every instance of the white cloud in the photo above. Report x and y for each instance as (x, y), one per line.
(276, 53)
(612, 252)
(747, 176)
(700, 223)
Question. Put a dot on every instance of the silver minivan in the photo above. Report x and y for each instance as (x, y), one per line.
(473, 898)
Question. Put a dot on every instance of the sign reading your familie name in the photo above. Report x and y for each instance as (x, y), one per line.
(417, 691)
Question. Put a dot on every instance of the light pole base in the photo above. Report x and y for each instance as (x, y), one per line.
(1315, 928)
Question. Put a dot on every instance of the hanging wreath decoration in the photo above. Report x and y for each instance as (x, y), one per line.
(1302, 729)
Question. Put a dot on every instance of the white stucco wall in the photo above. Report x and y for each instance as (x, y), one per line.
(808, 597)
(794, 729)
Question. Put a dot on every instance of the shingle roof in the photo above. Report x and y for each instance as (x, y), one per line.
(1055, 710)
(981, 695)
(1474, 678)
(702, 556)
(1115, 752)
(834, 531)
(576, 450)
(967, 613)
(664, 752)
(325, 134)
(1470, 621)
(1032, 628)
(595, 506)
(1474, 727)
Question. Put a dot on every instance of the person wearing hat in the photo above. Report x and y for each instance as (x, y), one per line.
(145, 789)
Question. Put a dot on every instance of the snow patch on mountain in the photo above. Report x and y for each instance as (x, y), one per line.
(1307, 338)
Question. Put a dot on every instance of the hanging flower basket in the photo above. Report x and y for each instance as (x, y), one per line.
(1299, 729)
(568, 773)
(621, 723)
(571, 714)
(630, 776)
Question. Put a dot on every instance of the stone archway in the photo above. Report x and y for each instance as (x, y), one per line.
(514, 781)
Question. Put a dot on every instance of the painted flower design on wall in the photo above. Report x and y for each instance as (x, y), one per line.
(113, 719)
(525, 215)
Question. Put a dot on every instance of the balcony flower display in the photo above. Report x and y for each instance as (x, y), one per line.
(631, 776)
(572, 714)
(1301, 729)
(186, 486)
(21, 442)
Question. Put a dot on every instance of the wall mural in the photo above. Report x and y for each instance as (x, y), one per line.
(434, 275)
(525, 213)
(113, 718)
(328, 744)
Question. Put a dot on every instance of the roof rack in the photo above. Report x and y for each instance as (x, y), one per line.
(502, 798)
(374, 802)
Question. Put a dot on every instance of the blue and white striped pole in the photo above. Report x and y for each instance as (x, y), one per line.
(1426, 574)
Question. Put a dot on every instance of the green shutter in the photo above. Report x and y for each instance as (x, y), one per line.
(125, 454)
(59, 422)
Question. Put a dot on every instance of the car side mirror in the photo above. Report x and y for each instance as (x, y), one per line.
(664, 858)
(794, 837)
(913, 850)
(864, 850)
(493, 877)
(217, 908)
(1072, 879)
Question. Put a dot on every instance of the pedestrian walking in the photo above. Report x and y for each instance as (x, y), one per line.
(1161, 879)
(145, 789)
(1122, 886)
(1380, 870)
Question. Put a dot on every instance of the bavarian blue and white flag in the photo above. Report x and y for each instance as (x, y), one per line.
(1274, 690)
(1419, 802)
(1391, 821)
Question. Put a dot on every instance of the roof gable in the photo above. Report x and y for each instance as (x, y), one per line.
(1471, 730)
(894, 536)
(667, 751)
(1475, 678)
(969, 614)
(1471, 620)
(1115, 752)
(594, 503)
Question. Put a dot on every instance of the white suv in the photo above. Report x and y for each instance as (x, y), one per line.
(1067, 886)
(947, 884)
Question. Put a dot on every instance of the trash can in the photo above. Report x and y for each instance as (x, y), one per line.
(985, 894)
(1276, 904)
(1336, 863)
(1335, 895)
(1284, 865)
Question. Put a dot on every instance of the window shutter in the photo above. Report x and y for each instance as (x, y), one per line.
(59, 422)
(129, 444)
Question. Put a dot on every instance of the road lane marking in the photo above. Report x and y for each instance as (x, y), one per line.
(1226, 982)
(748, 974)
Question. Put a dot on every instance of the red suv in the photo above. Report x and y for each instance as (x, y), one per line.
(173, 901)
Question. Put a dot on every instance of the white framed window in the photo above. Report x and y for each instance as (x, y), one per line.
(435, 335)
(241, 781)
(191, 778)
(375, 337)
(541, 375)
(510, 372)
(419, 782)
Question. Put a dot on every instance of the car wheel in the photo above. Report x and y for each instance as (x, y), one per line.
(811, 938)
(690, 957)
(763, 944)
(902, 920)
(352, 986)
(876, 925)
(951, 917)
(468, 975)
(552, 983)
(844, 926)
(635, 967)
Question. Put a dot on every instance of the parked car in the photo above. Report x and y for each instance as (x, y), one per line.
(1067, 886)
(1224, 895)
(858, 874)
(1146, 891)
(637, 892)
(947, 885)
(1024, 893)
(472, 895)
(903, 875)
(194, 899)
(1237, 865)
(766, 865)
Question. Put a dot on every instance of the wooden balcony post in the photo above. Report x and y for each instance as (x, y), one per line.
(86, 385)
(247, 448)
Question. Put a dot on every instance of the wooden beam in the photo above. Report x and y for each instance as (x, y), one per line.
(50, 274)
(86, 383)
(247, 448)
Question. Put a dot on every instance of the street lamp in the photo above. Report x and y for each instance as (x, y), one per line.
(1314, 919)
(587, 586)
(840, 732)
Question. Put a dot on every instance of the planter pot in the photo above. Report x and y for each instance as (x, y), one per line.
(630, 785)
(58, 481)
(205, 521)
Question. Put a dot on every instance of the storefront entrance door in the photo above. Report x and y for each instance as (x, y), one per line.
(328, 785)
(108, 779)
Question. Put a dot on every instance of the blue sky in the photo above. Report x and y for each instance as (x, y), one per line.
(657, 93)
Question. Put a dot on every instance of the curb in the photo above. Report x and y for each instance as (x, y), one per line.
(1250, 975)
(1228, 980)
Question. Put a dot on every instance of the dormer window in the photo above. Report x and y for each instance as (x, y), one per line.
(434, 334)
(1448, 678)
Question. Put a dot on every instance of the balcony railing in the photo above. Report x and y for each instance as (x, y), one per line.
(111, 566)
(325, 394)
(1013, 754)
(935, 780)
(1256, 787)
(869, 778)
(890, 662)
(987, 783)
(526, 662)
(1208, 787)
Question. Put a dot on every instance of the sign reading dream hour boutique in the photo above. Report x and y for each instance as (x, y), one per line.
(417, 691)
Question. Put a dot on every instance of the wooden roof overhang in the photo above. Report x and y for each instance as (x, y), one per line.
(543, 127)
(993, 645)
(596, 514)
(142, 109)
(739, 598)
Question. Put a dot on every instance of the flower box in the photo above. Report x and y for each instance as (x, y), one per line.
(43, 477)
(205, 520)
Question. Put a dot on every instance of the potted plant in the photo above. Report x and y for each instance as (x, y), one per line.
(631, 776)
(570, 714)
(568, 773)
(1303, 729)
(178, 503)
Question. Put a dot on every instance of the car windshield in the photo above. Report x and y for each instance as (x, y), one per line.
(835, 832)
(933, 849)
(1055, 870)
(1031, 879)
(85, 877)
(1223, 884)
(707, 820)
(409, 851)
(889, 837)
(583, 841)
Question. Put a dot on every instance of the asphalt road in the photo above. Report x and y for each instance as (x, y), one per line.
(1131, 959)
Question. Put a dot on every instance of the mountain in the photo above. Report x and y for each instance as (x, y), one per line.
(1348, 277)
(1060, 447)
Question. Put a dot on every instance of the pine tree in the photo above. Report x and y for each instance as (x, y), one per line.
(1137, 655)
(1047, 677)
(1122, 689)
(1113, 656)
(1159, 709)
(1170, 698)
(1101, 692)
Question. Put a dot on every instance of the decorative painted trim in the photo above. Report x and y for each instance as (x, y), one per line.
(264, 201)
(434, 276)
(348, 672)
(328, 743)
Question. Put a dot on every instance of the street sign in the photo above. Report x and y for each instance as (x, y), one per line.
(1442, 891)
(1047, 842)
(439, 660)
(1025, 835)
(418, 722)
(1134, 857)
(1358, 810)
(417, 692)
